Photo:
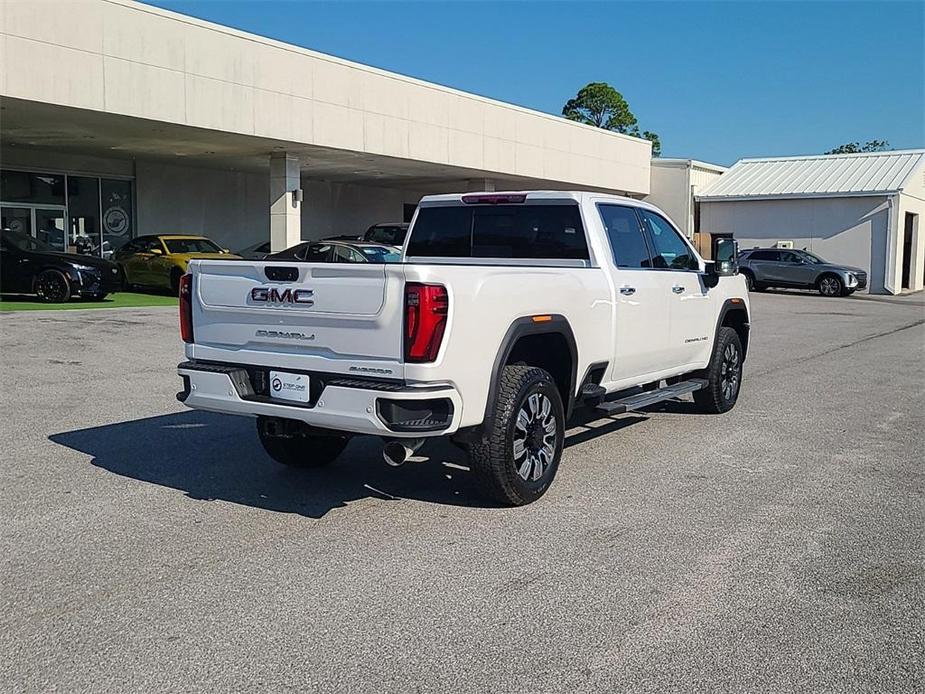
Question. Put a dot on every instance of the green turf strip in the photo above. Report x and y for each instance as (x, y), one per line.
(117, 300)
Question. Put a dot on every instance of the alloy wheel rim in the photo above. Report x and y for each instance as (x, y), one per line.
(51, 287)
(535, 437)
(829, 286)
(730, 370)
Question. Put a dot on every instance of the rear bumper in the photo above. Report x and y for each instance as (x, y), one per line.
(359, 406)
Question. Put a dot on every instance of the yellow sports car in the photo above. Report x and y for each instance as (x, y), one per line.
(159, 261)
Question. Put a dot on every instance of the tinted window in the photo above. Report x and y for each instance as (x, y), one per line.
(669, 250)
(626, 238)
(788, 257)
(317, 253)
(191, 246)
(764, 255)
(390, 236)
(442, 232)
(499, 231)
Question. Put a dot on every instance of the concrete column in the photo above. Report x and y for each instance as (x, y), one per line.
(285, 209)
(480, 185)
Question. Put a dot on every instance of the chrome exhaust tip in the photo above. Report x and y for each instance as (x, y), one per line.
(397, 451)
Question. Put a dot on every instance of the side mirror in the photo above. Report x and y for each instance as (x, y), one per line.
(726, 263)
(157, 251)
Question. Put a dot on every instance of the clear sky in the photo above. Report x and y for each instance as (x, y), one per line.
(716, 80)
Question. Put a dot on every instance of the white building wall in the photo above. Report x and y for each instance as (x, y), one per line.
(227, 206)
(673, 185)
(126, 58)
(912, 201)
(669, 189)
(853, 231)
(231, 207)
(334, 209)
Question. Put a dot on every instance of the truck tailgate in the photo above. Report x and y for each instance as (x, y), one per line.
(343, 318)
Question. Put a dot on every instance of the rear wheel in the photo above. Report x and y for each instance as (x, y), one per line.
(291, 446)
(53, 286)
(724, 374)
(519, 460)
(830, 285)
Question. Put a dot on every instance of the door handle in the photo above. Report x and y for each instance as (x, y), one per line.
(627, 291)
(677, 289)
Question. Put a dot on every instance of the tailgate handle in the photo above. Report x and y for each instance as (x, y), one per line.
(281, 274)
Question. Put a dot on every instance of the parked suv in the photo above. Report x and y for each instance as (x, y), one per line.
(783, 267)
(508, 312)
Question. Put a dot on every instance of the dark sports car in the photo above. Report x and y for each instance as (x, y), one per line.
(29, 266)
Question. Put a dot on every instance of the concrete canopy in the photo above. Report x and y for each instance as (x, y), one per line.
(120, 78)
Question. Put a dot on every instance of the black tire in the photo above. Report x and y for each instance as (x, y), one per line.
(749, 280)
(724, 374)
(53, 286)
(830, 285)
(175, 275)
(518, 461)
(299, 449)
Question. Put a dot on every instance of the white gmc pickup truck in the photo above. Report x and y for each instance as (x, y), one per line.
(507, 312)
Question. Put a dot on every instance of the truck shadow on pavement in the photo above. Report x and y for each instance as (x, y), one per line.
(212, 457)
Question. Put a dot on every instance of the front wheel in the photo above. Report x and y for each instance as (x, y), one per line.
(830, 285)
(724, 374)
(518, 461)
(298, 449)
(53, 286)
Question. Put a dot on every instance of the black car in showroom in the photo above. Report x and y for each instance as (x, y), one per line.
(29, 266)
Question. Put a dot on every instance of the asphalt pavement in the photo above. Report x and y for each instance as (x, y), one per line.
(777, 548)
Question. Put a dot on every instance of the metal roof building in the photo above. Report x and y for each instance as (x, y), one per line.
(859, 209)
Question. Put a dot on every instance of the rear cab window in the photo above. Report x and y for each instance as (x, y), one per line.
(541, 230)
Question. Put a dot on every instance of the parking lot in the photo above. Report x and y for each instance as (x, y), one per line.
(145, 547)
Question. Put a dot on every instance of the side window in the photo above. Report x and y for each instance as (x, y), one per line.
(670, 251)
(343, 254)
(788, 257)
(765, 255)
(627, 241)
(150, 245)
(318, 253)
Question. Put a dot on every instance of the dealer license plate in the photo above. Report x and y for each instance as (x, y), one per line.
(285, 386)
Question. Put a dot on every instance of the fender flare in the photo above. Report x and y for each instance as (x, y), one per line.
(521, 327)
(733, 305)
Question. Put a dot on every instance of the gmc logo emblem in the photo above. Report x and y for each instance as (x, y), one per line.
(272, 295)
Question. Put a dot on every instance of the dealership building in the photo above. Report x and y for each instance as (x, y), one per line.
(120, 119)
(864, 210)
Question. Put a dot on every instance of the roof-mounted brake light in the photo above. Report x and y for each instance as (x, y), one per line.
(494, 198)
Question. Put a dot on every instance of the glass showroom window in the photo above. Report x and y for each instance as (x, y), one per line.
(116, 205)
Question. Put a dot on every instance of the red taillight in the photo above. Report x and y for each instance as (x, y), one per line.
(426, 307)
(494, 198)
(186, 308)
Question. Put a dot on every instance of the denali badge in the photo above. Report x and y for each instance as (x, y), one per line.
(369, 370)
(272, 295)
(285, 335)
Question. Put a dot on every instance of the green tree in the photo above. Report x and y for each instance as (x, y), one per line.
(855, 147)
(656, 142)
(602, 106)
